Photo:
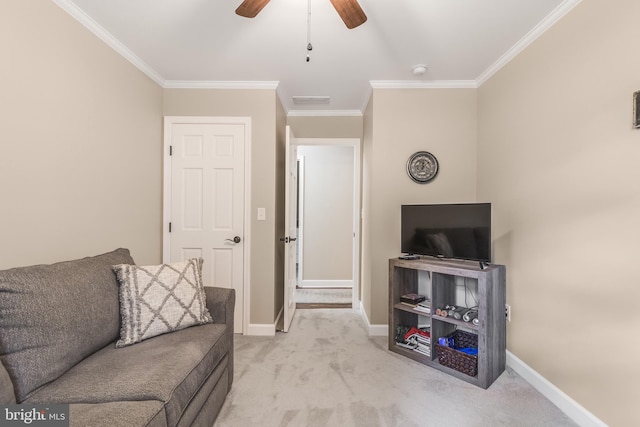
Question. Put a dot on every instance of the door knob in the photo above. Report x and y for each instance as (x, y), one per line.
(288, 239)
(236, 239)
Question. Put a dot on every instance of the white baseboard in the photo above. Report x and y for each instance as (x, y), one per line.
(326, 284)
(263, 330)
(570, 407)
(374, 330)
(280, 313)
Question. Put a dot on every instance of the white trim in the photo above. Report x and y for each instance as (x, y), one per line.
(89, 23)
(300, 244)
(169, 121)
(275, 324)
(367, 99)
(430, 84)
(248, 209)
(324, 113)
(570, 407)
(357, 193)
(560, 11)
(373, 330)
(261, 330)
(210, 84)
(326, 284)
(79, 15)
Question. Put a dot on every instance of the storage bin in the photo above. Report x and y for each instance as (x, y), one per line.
(454, 359)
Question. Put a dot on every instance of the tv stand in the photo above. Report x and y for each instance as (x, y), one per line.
(491, 294)
(483, 265)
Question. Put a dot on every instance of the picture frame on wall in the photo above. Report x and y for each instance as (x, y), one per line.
(636, 109)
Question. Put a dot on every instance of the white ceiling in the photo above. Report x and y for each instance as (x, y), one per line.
(203, 43)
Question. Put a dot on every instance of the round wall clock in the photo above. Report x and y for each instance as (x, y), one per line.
(422, 167)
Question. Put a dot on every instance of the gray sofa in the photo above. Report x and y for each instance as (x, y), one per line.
(58, 328)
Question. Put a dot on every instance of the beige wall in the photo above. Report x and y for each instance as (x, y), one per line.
(328, 212)
(365, 222)
(326, 126)
(441, 121)
(81, 143)
(559, 160)
(81, 174)
(260, 106)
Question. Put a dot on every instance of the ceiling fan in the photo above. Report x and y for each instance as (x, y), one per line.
(349, 10)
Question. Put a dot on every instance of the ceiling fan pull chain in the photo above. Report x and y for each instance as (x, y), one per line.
(309, 46)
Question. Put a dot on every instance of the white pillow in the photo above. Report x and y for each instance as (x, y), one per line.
(157, 299)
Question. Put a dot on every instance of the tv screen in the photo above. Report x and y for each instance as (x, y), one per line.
(449, 231)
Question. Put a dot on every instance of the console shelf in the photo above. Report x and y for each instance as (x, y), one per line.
(491, 295)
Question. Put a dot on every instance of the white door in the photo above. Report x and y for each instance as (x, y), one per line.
(206, 207)
(291, 238)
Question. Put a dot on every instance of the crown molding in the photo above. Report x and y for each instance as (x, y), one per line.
(555, 15)
(429, 84)
(367, 99)
(79, 15)
(324, 113)
(207, 84)
(84, 19)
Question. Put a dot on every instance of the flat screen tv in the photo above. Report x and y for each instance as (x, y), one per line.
(461, 231)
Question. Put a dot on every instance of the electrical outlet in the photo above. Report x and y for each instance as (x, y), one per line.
(507, 312)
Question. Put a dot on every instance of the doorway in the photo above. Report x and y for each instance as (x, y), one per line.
(206, 200)
(328, 223)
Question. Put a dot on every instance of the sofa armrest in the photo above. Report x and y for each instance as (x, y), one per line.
(221, 303)
(7, 394)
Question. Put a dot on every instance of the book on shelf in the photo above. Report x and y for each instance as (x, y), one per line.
(405, 344)
(426, 351)
(418, 336)
(408, 304)
(424, 306)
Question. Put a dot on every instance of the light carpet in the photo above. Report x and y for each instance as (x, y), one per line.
(327, 371)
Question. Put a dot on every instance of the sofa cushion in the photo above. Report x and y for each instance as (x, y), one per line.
(147, 413)
(53, 316)
(158, 299)
(170, 368)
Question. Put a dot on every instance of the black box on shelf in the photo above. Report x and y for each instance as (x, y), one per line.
(412, 299)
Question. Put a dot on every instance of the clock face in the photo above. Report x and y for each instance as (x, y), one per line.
(422, 167)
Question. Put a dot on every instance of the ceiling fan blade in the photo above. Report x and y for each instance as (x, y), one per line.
(350, 12)
(250, 8)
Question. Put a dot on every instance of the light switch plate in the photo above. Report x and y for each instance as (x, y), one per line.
(262, 214)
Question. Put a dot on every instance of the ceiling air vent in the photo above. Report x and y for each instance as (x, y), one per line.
(310, 100)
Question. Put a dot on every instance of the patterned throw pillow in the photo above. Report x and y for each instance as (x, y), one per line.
(160, 298)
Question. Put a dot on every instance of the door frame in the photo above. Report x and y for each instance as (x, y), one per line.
(169, 121)
(355, 143)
